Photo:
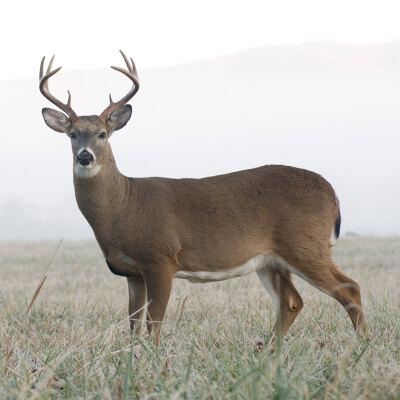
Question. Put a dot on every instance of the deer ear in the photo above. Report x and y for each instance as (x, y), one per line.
(119, 118)
(56, 120)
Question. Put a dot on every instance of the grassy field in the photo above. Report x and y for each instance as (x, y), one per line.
(75, 342)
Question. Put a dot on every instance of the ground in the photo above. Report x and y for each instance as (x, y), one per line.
(75, 341)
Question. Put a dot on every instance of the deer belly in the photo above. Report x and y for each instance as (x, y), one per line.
(254, 264)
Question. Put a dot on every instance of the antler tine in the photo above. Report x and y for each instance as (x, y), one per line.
(130, 65)
(50, 64)
(41, 69)
(125, 59)
(131, 73)
(44, 89)
(69, 98)
(134, 68)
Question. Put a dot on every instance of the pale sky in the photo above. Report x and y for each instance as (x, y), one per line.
(87, 34)
(342, 123)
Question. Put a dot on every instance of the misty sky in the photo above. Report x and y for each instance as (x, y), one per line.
(86, 34)
(328, 107)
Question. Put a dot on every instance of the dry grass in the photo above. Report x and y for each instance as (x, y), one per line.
(75, 342)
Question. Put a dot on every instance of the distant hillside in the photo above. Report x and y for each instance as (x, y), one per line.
(323, 56)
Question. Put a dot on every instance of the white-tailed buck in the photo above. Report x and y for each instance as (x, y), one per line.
(273, 220)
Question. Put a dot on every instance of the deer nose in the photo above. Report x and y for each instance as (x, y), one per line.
(85, 158)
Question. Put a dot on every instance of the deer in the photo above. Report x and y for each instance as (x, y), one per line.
(273, 220)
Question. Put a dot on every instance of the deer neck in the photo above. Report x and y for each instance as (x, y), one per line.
(99, 194)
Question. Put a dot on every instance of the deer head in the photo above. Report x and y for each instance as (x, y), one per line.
(88, 134)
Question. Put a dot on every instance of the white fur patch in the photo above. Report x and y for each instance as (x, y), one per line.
(333, 238)
(253, 265)
(85, 172)
(264, 274)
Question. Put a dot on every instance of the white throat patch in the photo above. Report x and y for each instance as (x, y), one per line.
(86, 172)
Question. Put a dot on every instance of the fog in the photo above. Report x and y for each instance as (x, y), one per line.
(326, 107)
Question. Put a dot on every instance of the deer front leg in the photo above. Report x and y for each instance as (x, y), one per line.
(137, 300)
(158, 283)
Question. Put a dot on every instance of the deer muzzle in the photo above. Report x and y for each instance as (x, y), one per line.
(85, 158)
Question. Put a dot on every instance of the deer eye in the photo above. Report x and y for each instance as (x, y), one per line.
(73, 135)
(102, 135)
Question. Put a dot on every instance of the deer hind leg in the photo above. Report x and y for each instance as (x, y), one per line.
(279, 284)
(325, 276)
(137, 301)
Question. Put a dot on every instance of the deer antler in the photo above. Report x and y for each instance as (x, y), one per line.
(44, 88)
(131, 74)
